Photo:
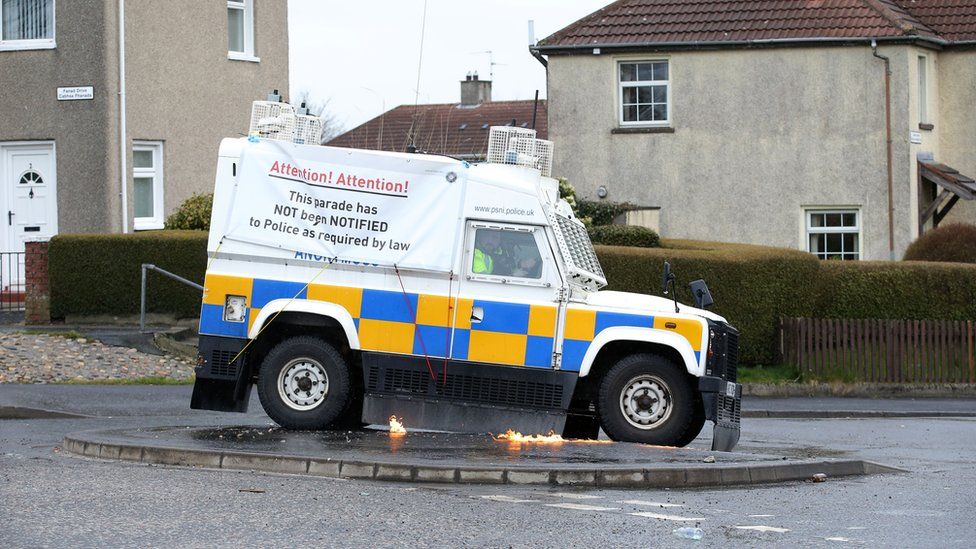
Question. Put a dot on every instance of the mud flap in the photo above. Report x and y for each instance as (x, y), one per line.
(222, 383)
(723, 403)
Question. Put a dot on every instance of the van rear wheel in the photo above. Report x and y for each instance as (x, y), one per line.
(646, 398)
(304, 384)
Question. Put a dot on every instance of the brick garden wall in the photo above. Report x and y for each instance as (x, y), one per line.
(38, 300)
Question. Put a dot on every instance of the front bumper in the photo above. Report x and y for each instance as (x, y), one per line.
(723, 405)
(721, 394)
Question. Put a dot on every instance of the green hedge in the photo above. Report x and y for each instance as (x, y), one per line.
(624, 235)
(753, 286)
(193, 214)
(954, 242)
(100, 274)
(904, 290)
(601, 212)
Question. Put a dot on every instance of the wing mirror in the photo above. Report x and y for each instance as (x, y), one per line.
(699, 290)
(667, 278)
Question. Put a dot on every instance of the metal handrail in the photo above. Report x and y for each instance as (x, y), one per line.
(13, 286)
(150, 267)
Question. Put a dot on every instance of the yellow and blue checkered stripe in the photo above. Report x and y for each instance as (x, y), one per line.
(583, 325)
(511, 333)
(516, 334)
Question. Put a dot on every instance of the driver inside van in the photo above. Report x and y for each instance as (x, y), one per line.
(485, 251)
(506, 254)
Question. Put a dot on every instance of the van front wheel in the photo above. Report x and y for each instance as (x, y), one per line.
(646, 398)
(303, 384)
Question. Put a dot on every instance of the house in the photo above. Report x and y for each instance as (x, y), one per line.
(768, 122)
(111, 117)
(455, 129)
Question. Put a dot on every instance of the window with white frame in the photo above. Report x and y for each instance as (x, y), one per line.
(147, 184)
(834, 234)
(923, 91)
(240, 30)
(26, 24)
(645, 93)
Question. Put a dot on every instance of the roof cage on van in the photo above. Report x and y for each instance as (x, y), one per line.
(519, 146)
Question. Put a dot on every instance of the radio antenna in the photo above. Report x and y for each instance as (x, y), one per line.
(412, 147)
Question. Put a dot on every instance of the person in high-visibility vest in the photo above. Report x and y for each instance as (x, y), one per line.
(483, 263)
(486, 244)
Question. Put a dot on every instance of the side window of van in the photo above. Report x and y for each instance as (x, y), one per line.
(506, 253)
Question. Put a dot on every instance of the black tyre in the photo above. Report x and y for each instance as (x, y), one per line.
(646, 398)
(351, 418)
(304, 384)
(580, 426)
(696, 425)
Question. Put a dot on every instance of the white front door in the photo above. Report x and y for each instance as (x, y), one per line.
(28, 200)
(30, 186)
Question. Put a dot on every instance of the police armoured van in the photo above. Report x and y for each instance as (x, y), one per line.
(351, 285)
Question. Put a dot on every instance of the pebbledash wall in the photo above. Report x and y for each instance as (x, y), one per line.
(188, 94)
(182, 90)
(761, 135)
(84, 132)
(957, 119)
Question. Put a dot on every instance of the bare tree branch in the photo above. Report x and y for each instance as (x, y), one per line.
(331, 126)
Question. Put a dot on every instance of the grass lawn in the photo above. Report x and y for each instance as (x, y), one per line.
(768, 374)
(70, 334)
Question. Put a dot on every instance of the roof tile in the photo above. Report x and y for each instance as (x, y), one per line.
(687, 21)
(446, 128)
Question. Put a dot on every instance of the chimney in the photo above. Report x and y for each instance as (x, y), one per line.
(473, 91)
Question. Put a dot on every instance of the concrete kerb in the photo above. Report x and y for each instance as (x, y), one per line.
(659, 477)
(856, 414)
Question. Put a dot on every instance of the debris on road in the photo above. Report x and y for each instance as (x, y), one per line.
(709, 459)
(688, 532)
(819, 477)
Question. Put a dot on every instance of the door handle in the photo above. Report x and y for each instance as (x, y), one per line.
(477, 314)
(10, 217)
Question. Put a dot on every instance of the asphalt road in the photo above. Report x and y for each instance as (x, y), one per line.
(172, 400)
(49, 499)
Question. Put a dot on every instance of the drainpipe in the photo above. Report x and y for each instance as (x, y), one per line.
(532, 49)
(535, 53)
(891, 200)
(123, 169)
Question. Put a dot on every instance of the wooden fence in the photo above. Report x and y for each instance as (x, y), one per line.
(893, 351)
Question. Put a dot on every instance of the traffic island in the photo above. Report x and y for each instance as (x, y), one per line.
(453, 458)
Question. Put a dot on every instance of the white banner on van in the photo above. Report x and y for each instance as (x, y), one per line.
(354, 206)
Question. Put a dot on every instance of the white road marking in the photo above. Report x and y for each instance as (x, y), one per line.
(764, 529)
(581, 507)
(857, 528)
(667, 517)
(838, 538)
(650, 503)
(570, 495)
(509, 499)
(761, 516)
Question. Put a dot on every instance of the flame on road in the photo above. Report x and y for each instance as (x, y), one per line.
(515, 437)
(396, 427)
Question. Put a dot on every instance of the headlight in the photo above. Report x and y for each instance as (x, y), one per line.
(711, 343)
(235, 308)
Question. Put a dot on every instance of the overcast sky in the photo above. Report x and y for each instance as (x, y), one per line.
(362, 56)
